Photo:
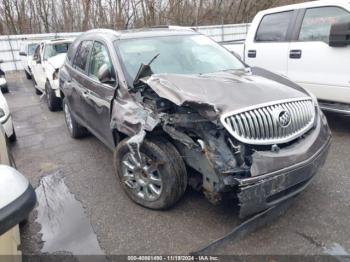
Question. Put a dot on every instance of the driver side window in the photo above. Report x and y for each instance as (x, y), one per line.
(99, 57)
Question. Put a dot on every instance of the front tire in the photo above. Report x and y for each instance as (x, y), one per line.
(28, 76)
(13, 137)
(37, 91)
(159, 181)
(75, 129)
(53, 102)
(5, 89)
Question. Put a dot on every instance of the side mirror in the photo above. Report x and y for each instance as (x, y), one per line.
(22, 53)
(17, 198)
(339, 35)
(236, 55)
(36, 58)
(104, 75)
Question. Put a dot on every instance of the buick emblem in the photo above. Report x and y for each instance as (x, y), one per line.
(284, 118)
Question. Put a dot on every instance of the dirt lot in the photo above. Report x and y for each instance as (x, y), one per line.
(317, 223)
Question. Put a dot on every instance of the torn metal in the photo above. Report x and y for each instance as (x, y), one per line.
(186, 109)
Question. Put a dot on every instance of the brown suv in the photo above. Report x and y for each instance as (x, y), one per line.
(177, 109)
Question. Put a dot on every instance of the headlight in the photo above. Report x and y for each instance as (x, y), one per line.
(55, 75)
(2, 113)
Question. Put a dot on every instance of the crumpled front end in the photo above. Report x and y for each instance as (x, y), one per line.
(286, 147)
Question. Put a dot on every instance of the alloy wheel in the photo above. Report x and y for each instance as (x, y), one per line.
(143, 179)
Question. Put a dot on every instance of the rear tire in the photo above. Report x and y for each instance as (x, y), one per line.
(5, 89)
(170, 173)
(13, 137)
(37, 91)
(74, 128)
(28, 76)
(53, 102)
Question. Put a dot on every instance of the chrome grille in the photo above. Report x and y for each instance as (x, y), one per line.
(273, 123)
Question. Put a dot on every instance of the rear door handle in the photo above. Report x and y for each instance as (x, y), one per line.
(295, 54)
(252, 53)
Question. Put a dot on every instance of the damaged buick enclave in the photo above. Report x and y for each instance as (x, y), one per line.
(178, 109)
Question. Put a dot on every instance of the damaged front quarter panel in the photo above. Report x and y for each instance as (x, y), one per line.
(193, 124)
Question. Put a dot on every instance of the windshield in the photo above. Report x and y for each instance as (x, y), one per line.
(55, 49)
(31, 49)
(194, 54)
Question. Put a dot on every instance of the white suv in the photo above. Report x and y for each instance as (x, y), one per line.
(48, 58)
(26, 53)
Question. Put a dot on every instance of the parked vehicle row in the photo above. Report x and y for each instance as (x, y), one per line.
(164, 100)
(17, 199)
(308, 43)
(3, 83)
(5, 115)
(43, 66)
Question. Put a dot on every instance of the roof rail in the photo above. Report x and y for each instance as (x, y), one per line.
(174, 27)
(102, 30)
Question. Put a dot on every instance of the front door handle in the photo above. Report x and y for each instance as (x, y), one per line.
(295, 54)
(251, 53)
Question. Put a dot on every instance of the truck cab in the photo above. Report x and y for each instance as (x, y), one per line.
(308, 43)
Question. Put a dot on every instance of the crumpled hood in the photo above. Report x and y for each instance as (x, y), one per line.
(57, 61)
(224, 91)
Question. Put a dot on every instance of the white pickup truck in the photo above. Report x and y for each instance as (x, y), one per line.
(308, 43)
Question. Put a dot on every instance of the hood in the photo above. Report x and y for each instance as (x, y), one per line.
(57, 60)
(224, 91)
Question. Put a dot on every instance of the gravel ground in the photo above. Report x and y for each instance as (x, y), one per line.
(317, 223)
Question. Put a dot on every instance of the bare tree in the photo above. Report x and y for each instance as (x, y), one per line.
(38, 16)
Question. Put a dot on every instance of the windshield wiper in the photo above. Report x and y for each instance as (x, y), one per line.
(144, 70)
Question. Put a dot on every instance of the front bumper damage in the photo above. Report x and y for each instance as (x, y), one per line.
(290, 171)
(259, 176)
(274, 188)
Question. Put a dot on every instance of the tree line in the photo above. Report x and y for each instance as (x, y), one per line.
(47, 16)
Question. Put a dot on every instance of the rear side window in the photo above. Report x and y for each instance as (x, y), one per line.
(317, 22)
(82, 55)
(274, 27)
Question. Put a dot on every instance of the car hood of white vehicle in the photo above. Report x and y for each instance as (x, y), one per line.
(57, 61)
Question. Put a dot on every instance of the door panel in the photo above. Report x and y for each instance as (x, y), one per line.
(100, 95)
(271, 56)
(321, 69)
(79, 81)
(76, 98)
(269, 49)
(37, 67)
(97, 110)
